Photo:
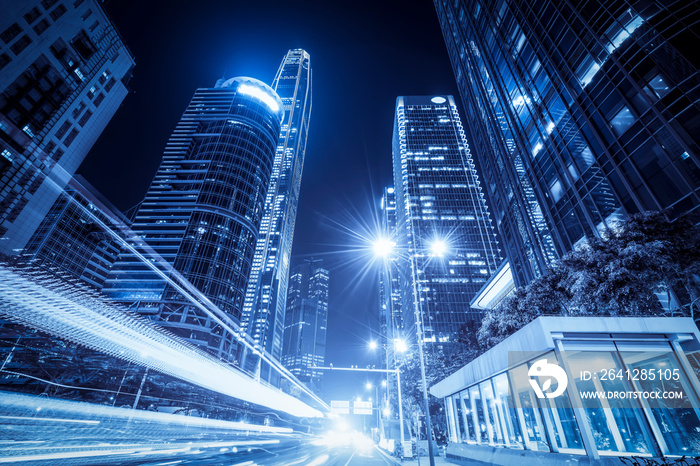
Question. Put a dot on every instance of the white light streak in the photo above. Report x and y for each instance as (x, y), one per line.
(114, 331)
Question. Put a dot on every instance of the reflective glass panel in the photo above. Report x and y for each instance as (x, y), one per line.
(526, 401)
(676, 421)
(616, 422)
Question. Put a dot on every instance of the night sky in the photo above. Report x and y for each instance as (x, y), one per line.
(363, 55)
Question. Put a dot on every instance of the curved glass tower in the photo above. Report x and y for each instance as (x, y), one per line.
(578, 113)
(203, 210)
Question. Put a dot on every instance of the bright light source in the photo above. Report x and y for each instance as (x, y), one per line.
(368, 385)
(387, 412)
(438, 247)
(400, 345)
(383, 383)
(383, 247)
(373, 345)
(259, 94)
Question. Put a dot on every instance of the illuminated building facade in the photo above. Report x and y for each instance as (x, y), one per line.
(266, 295)
(391, 321)
(203, 210)
(81, 235)
(306, 322)
(63, 69)
(446, 244)
(578, 114)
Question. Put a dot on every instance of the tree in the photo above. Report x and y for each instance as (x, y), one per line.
(619, 273)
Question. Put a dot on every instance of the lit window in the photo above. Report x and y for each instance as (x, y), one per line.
(622, 121)
(586, 73)
(657, 87)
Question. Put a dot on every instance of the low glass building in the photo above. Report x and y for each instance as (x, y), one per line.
(574, 386)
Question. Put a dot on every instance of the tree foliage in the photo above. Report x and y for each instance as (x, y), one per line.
(618, 274)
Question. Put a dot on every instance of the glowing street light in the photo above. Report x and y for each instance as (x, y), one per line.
(438, 247)
(373, 345)
(400, 345)
(368, 385)
(383, 247)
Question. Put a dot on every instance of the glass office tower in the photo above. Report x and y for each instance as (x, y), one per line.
(73, 237)
(306, 322)
(203, 210)
(446, 243)
(63, 75)
(266, 294)
(579, 113)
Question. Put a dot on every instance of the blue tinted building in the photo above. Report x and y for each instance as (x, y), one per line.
(266, 293)
(579, 113)
(446, 244)
(306, 322)
(63, 75)
(203, 210)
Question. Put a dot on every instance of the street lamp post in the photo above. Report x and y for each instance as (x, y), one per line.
(438, 248)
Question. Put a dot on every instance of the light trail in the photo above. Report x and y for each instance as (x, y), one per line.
(23, 405)
(46, 303)
(137, 246)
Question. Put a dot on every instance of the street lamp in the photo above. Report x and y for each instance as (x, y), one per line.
(438, 247)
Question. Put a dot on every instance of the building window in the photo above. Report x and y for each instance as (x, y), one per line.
(41, 26)
(98, 100)
(58, 12)
(86, 15)
(657, 87)
(85, 118)
(77, 3)
(83, 45)
(33, 15)
(622, 121)
(21, 44)
(10, 33)
(4, 60)
(48, 3)
(71, 137)
(62, 130)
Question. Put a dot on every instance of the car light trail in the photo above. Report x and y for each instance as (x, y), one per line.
(47, 304)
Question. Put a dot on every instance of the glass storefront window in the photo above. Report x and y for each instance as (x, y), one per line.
(459, 418)
(560, 420)
(526, 402)
(469, 433)
(478, 415)
(493, 423)
(616, 423)
(676, 421)
(449, 409)
(506, 412)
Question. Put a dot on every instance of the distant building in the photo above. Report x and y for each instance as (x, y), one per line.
(266, 295)
(202, 213)
(391, 319)
(578, 113)
(306, 322)
(63, 69)
(446, 245)
(81, 235)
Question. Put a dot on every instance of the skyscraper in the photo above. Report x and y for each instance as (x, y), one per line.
(306, 321)
(203, 211)
(391, 319)
(446, 242)
(63, 74)
(578, 113)
(266, 294)
(73, 236)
